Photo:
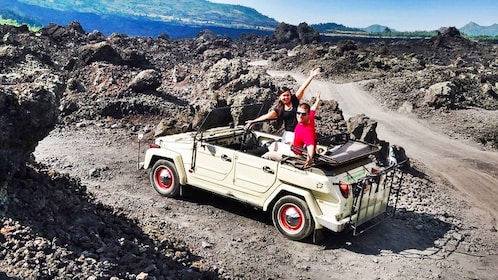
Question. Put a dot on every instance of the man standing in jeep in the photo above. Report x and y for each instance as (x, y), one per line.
(305, 135)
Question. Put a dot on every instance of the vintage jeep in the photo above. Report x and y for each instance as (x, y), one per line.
(345, 188)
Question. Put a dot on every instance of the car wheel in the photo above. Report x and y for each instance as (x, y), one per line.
(292, 217)
(164, 178)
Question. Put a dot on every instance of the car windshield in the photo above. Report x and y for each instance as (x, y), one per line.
(230, 116)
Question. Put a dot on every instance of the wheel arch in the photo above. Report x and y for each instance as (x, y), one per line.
(304, 194)
(171, 156)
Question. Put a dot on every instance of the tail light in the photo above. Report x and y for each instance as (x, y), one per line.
(154, 146)
(345, 189)
(375, 176)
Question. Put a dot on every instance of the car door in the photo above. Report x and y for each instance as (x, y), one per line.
(254, 175)
(214, 163)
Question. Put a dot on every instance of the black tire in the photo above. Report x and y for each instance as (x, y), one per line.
(292, 217)
(164, 178)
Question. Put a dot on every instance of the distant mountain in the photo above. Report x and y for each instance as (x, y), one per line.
(333, 27)
(474, 29)
(376, 28)
(177, 19)
(140, 17)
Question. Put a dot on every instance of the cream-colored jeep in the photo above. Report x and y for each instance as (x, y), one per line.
(345, 188)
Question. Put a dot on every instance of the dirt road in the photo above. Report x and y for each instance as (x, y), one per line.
(472, 171)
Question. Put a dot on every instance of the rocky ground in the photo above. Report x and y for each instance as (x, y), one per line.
(79, 209)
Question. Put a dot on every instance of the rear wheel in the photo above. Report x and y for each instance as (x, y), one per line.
(164, 178)
(292, 217)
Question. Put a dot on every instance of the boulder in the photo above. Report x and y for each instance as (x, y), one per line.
(303, 33)
(147, 80)
(27, 115)
(307, 35)
(61, 33)
(441, 95)
(225, 71)
(101, 51)
(362, 128)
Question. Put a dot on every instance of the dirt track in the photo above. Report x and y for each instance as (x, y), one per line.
(436, 234)
(472, 171)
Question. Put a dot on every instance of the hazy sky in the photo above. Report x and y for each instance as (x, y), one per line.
(401, 15)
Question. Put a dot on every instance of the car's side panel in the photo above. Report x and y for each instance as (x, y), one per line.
(214, 163)
(254, 175)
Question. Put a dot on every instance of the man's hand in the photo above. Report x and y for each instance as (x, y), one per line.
(309, 157)
(308, 162)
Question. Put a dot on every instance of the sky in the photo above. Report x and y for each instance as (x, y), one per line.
(401, 15)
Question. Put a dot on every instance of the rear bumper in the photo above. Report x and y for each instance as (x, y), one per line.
(332, 224)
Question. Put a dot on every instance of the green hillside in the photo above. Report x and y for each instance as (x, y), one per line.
(187, 11)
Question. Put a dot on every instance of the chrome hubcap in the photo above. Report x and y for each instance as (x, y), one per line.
(165, 177)
(292, 217)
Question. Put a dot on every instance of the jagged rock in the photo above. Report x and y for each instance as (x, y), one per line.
(441, 95)
(217, 54)
(346, 45)
(9, 53)
(304, 34)
(6, 29)
(27, 117)
(361, 127)
(135, 58)
(181, 122)
(96, 36)
(60, 33)
(76, 26)
(449, 32)
(307, 34)
(329, 118)
(224, 71)
(101, 51)
(147, 80)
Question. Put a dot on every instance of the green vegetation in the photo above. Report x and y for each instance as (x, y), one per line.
(14, 22)
(405, 34)
(481, 37)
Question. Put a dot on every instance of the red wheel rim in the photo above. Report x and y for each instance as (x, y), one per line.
(291, 218)
(164, 178)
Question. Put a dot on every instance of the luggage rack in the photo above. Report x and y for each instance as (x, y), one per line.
(393, 178)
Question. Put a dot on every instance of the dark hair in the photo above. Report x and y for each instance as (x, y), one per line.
(305, 106)
(282, 90)
(279, 108)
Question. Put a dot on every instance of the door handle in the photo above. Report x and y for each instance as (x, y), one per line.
(267, 169)
(226, 158)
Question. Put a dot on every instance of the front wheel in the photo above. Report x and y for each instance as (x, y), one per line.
(292, 217)
(164, 178)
